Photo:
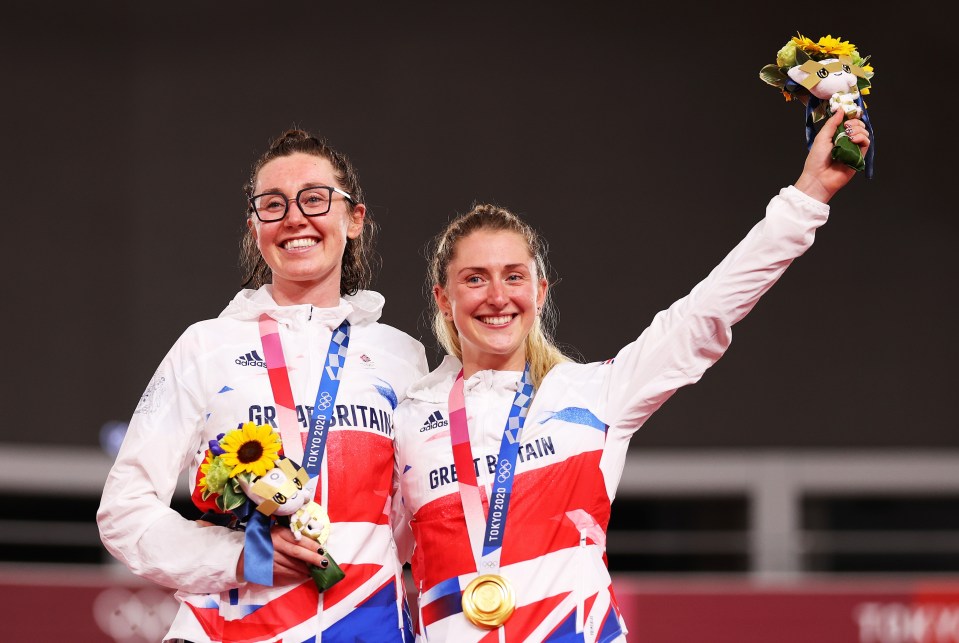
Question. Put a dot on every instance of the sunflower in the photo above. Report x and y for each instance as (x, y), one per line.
(252, 448)
(806, 44)
(836, 46)
(201, 481)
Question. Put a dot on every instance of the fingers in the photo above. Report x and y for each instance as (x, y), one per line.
(324, 561)
(830, 126)
(856, 130)
(287, 570)
(290, 558)
(822, 144)
(305, 550)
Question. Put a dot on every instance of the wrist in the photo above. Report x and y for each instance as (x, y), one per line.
(813, 189)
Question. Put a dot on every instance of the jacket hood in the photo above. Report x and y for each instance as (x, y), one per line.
(365, 306)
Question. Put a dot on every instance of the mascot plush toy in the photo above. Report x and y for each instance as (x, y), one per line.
(244, 476)
(826, 76)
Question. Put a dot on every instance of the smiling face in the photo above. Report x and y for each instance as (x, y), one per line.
(493, 293)
(304, 253)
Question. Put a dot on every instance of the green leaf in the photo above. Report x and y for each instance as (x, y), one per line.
(773, 75)
(230, 499)
(801, 56)
(820, 112)
(326, 578)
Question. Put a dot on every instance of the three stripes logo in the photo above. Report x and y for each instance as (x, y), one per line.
(434, 421)
(251, 359)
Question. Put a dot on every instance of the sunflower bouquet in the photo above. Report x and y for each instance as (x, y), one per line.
(826, 76)
(245, 476)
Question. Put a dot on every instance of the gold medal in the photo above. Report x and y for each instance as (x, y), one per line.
(488, 601)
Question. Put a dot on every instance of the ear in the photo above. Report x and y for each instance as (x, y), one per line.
(251, 226)
(442, 301)
(356, 221)
(541, 293)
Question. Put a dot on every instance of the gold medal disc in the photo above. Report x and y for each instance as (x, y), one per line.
(488, 600)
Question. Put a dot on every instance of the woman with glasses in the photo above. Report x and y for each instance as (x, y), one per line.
(303, 337)
(511, 453)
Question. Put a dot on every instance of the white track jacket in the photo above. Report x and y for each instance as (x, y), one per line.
(572, 450)
(213, 379)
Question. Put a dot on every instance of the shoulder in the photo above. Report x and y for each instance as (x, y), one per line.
(367, 306)
(431, 390)
(386, 338)
(434, 387)
(569, 372)
(216, 329)
(424, 408)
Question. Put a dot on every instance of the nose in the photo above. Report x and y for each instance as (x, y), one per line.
(294, 216)
(496, 293)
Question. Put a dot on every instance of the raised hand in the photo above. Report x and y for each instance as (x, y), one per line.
(822, 177)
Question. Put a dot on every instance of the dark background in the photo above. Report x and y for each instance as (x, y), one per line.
(640, 141)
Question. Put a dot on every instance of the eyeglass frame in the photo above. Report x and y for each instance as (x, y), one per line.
(296, 199)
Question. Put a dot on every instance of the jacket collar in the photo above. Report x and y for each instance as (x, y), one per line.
(434, 388)
(365, 306)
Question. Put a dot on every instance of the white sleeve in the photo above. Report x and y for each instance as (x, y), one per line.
(400, 515)
(137, 524)
(692, 334)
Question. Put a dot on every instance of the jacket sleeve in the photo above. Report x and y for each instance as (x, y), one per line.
(400, 515)
(692, 334)
(137, 524)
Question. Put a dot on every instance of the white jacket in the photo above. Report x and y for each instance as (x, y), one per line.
(214, 379)
(572, 449)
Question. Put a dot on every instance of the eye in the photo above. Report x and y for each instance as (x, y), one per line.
(822, 73)
(474, 280)
(271, 203)
(315, 197)
(846, 68)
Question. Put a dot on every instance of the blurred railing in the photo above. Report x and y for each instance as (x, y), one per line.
(778, 514)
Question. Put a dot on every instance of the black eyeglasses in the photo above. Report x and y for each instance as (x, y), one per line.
(312, 202)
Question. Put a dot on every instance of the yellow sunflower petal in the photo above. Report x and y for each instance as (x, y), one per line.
(251, 448)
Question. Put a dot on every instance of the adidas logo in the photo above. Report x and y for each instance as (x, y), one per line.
(434, 421)
(250, 359)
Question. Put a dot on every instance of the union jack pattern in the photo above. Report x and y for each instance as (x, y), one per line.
(210, 392)
(572, 452)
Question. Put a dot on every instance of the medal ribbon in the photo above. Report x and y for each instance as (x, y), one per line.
(487, 547)
(258, 549)
(312, 448)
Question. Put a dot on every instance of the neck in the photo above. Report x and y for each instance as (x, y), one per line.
(322, 294)
(487, 362)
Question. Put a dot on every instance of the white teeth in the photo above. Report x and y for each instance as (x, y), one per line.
(299, 243)
(496, 321)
